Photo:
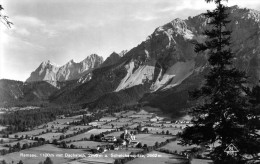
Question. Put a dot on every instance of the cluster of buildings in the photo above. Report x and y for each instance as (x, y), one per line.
(127, 140)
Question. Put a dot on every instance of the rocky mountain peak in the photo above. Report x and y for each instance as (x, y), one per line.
(70, 63)
(71, 70)
(112, 59)
(175, 26)
(178, 25)
(114, 54)
(122, 53)
(245, 13)
(45, 63)
(93, 58)
(91, 61)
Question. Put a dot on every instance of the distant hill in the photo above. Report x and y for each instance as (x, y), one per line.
(16, 91)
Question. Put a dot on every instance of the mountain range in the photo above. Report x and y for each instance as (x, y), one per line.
(159, 72)
(70, 71)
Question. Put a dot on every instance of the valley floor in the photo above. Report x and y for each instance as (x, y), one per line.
(67, 142)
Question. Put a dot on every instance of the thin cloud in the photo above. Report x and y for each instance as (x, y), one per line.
(50, 33)
(145, 18)
(21, 31)
(28, 20)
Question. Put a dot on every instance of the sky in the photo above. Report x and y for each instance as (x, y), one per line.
(61, 30)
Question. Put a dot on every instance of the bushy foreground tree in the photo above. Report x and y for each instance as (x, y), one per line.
(225, 116)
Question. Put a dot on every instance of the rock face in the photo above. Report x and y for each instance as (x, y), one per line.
(111, 60)
(70, 71)
(161, 70)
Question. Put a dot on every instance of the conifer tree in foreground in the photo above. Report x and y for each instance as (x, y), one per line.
(225, 116)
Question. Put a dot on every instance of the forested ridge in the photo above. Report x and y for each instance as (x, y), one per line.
(23, 120)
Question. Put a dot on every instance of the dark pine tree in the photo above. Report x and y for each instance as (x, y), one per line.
(255, 96)
(255, 100)
(225, 115)
(20, 162)
(48, 161)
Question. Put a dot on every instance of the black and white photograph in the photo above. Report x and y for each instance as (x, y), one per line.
(129, 82)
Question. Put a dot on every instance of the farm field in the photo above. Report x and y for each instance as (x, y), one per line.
(87, 144)
(24, 141)
(78, 116)
(93, 160)
(116, 134)
(56, 126)
(42, 150)
(144, 112)
(109, 126)
(29, 133)
(51, 125)
(182, 126)
(3, 147)
(86, 134)
(151, 139)
(97, 131)
(107, 119)
(201, 161)
(50, 136)
(171, 125)
(97, 123)
(140, 120)
(154, 130)
(5, 140)
(75, 117)
(174, 146)
(69, 132)
(65, 120)
(117, 114)
(78, 137)
(147, 116)
(119, 124)
(133, 126)
(59, 122)
(111, 156)
(79, 127)
(124, 119)
(128, 113)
